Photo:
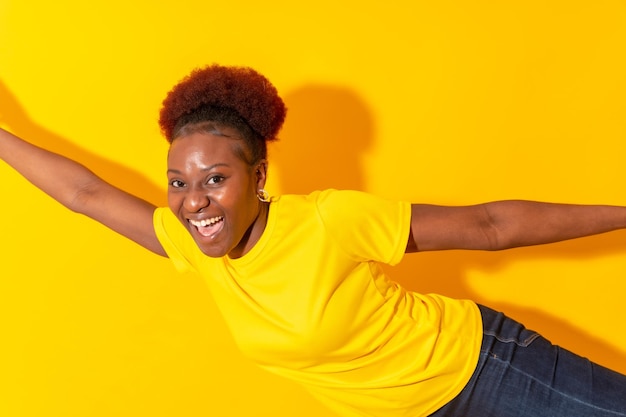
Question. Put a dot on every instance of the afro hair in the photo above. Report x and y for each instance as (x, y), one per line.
(206, 91)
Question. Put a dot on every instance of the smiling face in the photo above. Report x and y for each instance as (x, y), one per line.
(213, 192)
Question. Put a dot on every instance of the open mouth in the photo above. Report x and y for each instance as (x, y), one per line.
(208, 227)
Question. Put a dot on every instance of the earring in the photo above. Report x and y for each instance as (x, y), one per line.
(263, 195)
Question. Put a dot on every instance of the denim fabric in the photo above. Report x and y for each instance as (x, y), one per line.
(520, 373)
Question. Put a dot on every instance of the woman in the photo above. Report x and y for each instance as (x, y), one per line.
(298, 278)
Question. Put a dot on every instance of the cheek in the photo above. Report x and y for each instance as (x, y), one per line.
(241, 203)
(174, 201)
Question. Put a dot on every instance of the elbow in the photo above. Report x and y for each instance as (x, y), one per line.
(83, 196)
(499, 239)
(499, 245)
(496, 235)
(492, 240)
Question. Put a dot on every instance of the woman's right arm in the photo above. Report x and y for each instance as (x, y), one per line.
(80, 190)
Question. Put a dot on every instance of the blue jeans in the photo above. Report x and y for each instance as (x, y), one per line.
(521, 374)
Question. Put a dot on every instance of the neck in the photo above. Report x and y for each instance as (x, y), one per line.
(253, 234)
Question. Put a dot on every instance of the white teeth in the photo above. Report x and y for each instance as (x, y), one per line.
(206, 222)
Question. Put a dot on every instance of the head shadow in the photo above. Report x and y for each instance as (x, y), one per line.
(326, 133)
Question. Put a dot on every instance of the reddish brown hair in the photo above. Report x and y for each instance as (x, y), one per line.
(237, 97)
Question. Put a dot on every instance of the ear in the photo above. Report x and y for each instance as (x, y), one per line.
(261, 173)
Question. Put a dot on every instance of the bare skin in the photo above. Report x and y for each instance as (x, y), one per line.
(507, 224)
(490, 226)
(213, 192)
(80, 190)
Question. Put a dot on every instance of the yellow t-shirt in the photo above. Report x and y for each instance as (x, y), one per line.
(310, 302)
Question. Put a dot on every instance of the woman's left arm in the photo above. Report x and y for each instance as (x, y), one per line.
(507, 224)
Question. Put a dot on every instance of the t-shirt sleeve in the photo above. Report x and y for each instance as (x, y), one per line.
(174, 239)
(367, 227)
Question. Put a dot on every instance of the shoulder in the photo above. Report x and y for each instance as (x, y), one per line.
(341, 198)
(342, 206)
(330, 201)
(367, 226)
(355, 203)
(175, 239)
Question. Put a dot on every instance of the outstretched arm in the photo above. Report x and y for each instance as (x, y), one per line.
(507, 224)
(80, 190)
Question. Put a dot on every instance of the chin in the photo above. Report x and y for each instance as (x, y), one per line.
(213, 252)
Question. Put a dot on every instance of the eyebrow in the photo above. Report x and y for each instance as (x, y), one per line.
(209, 168)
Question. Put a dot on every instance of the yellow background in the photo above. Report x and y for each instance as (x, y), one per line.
(449, 102)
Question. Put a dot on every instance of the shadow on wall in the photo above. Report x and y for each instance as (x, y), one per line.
(328, 130)
(446, 273)
(16, 118)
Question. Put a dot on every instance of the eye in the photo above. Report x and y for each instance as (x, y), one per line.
(177, 184)
(216, 179)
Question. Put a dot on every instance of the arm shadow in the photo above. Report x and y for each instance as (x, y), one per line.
(123, 177)
(445, 273)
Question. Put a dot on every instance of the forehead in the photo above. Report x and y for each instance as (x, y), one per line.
(205, 147)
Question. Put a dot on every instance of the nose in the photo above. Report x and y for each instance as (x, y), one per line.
(196, 200)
